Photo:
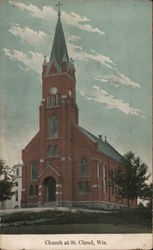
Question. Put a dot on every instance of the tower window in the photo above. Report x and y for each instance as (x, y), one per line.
(34, 171)
(53, 100)
(83, 167)
(57, 150)
(48, 101)
(31, 190)
(53, 126)
(80, 187)
(49, 151)
(57, 99)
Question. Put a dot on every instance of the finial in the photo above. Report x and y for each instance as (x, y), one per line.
(44, 62)
(59, 4)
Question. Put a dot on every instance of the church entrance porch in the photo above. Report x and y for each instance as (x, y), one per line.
(49, 190)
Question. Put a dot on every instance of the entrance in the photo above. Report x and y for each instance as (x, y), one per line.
(50, 189)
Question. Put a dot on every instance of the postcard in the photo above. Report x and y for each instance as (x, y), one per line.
(76, 124)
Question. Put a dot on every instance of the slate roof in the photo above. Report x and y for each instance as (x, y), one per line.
(59, 49)
(103, 147)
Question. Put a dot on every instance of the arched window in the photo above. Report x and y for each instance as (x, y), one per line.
(49, 151)
(53, 100)
(31, 190)
(105, 178)
(48, 101)
(36, 189)
(34, 171)
(57, 150)
(53, 126)
(83, 167)
(16, 195)
(87, 187)
(80, 187)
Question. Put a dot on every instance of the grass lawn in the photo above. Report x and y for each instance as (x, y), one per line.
(62, 222)
(74, 229)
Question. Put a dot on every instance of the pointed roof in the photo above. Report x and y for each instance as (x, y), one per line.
(59, 48)
(103, 146)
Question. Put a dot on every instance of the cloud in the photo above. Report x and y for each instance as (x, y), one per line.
(102, 96)
(73, 38)
(47, 12)
(35, 38)
(32, 60)
(126, 80)
(78, 53)
(118, 79)
(74, 19)
(34, 10)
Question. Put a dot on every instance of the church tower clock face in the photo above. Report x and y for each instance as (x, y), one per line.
(53, 90)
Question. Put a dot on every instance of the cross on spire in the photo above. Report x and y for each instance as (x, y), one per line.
(59, 4)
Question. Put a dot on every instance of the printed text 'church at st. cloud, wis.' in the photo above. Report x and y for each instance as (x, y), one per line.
(64, 164)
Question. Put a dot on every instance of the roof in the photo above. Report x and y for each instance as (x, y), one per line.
(103, 146)
(59, 49)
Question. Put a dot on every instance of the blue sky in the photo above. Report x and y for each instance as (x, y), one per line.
(110, 42)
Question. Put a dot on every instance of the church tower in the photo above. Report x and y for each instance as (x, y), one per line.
(57, 112)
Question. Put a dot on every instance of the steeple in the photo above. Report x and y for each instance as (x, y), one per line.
(59, 52)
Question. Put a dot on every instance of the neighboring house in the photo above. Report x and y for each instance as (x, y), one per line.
(15, 201)
(64, 164)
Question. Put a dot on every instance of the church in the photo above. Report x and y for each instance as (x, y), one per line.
(64, 164)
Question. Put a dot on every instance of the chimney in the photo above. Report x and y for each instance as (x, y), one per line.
(105, 138)
(44, 65)
(100, 137)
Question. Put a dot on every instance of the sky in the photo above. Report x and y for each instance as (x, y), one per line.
(110, 42)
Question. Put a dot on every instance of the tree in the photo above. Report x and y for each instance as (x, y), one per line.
(147, 194)
(129, 180)
(6, 182)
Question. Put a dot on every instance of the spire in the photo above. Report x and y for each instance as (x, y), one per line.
(59, 4)
(59, 48)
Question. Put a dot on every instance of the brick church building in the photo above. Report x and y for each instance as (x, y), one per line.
(64, 164)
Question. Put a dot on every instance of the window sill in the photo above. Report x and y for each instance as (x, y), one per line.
(56, 106)
(52, 157)
(53, 138)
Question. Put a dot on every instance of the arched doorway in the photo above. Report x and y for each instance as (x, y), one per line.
(50, 189)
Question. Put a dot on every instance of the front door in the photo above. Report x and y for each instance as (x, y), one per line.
(50, 185)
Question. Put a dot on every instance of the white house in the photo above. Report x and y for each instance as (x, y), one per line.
(15, 201)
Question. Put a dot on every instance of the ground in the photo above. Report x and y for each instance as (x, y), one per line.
(69, 221)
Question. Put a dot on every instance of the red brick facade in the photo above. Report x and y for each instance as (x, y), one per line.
(52, 168)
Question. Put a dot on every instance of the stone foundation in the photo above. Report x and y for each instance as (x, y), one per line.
(78, 204)
(97, 205)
